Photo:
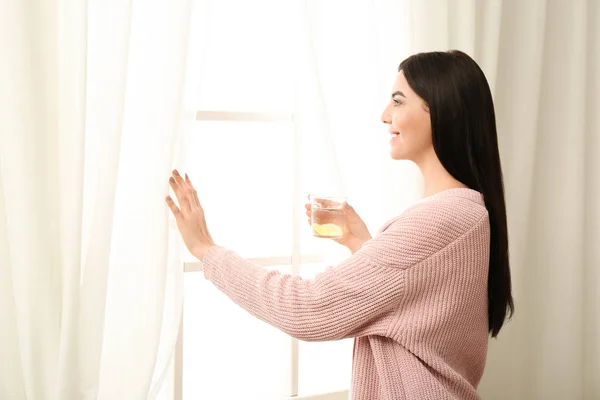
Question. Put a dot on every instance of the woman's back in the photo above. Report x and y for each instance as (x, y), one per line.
(432, 344)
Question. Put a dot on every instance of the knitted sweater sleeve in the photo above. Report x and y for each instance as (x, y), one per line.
(344, 299)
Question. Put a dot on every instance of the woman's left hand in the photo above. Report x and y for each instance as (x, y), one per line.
(189, 216)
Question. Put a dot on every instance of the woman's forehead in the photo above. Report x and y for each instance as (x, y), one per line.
(401, 84)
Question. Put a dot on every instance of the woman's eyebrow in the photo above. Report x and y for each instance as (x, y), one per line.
(398, 92)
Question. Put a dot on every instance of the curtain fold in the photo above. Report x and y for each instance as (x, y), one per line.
(90, 268)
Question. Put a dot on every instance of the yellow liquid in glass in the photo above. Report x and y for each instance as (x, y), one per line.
(328, 230)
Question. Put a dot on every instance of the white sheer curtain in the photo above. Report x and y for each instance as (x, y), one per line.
(542, 59)
(90, 276)
(344, 59)
(349, 64)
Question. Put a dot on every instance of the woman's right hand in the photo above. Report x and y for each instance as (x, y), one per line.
(355, 231)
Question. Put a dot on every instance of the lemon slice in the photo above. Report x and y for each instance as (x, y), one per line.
(328, 229)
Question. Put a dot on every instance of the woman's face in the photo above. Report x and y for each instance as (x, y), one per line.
(408, 119)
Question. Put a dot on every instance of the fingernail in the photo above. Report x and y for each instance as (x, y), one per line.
(171, 179)
(187, 177)
(175, 172)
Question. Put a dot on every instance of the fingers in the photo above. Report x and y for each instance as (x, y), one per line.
(193, 190)
(180, 195)
(181, 192)
(173, 207)
(349, 209)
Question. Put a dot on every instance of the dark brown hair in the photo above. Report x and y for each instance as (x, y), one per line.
(463, 127)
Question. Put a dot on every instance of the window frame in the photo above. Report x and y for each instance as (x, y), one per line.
(297, 259)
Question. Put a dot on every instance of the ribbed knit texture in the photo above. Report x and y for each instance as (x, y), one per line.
(414, 298)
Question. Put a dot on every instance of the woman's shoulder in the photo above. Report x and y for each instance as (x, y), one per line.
(448, 207)
(452, 210)
(427, 228)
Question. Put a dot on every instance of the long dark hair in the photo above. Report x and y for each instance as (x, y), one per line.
(463, 127)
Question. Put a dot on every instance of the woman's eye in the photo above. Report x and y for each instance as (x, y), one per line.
(398, 102)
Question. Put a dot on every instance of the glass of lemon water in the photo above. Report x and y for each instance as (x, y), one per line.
(327, 216)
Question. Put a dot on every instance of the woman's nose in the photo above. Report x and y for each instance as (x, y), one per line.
(385, 116)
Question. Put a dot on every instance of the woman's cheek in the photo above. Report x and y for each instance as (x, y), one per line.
(399, 122)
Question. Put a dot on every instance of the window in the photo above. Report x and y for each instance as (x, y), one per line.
(240, 150)
(251, 170)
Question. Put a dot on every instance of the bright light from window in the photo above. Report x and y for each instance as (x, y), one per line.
(243, 172)
(244, 58)
(241, 55)
(228, 353)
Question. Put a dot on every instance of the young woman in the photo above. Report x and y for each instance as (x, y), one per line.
(423, 296)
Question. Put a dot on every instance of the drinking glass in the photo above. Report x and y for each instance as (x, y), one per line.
(327, 216)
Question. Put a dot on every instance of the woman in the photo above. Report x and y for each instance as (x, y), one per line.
(423, 295)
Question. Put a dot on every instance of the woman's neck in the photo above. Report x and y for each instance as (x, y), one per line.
(435, 176)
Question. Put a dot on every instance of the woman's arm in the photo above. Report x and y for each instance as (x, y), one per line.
(330, 306)
(344, 300)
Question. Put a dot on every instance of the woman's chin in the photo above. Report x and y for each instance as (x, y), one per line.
(397, 155)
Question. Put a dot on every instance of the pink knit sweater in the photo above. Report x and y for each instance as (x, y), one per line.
(414, 298)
